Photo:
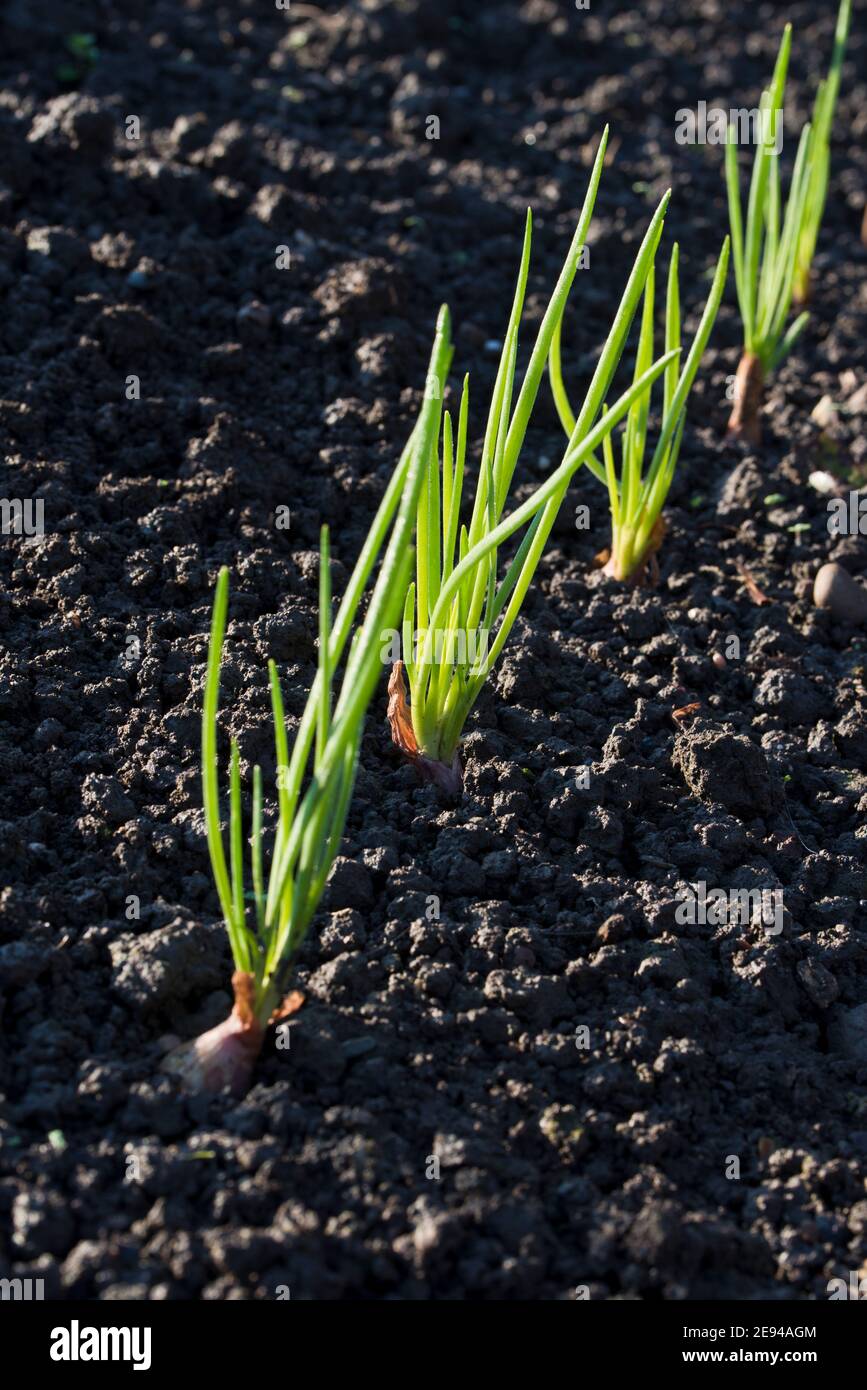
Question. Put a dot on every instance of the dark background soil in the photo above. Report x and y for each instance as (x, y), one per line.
(560, 1164)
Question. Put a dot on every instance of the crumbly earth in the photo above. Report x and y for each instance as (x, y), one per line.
(517, 1073)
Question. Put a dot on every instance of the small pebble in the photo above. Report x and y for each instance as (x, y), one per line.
(824, 412)
(857, 402)
(834, 588)
(825, 483)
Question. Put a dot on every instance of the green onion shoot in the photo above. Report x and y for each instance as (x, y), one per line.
(267, 922)
(765, 257)
(636, 500)
(459, 611)
(820, 157)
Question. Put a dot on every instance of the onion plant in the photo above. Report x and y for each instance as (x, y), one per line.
(267, 923)
(765, 256)
(637, 500)
(458, 612)
(820, 156)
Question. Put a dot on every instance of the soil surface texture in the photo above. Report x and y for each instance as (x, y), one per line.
(517, 1073)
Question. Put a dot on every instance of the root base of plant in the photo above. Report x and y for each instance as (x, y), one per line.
(223, 1057)
(744, 421)
(449, 778)
(645, 575)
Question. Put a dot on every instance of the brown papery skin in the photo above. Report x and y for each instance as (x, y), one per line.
(744, 422)
(450, 780)
(226, 1055)
(646, 573)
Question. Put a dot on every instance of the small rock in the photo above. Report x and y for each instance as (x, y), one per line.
(835, 588)
(823, 482)
(857, 402)
(824, 412)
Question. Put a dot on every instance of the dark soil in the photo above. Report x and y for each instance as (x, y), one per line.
(584, 1068)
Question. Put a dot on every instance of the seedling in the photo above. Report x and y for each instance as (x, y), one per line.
(820, 157)
(84, 53)
(267, 926)
(765, 262)
(636, 500)
(458, 613)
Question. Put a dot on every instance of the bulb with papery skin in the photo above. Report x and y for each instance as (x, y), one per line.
(223, 1057)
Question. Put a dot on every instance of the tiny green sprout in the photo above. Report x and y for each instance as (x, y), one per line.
(799, 528)
(265, 937)
(820, 157)
(82, 46)
(57, 1140)
(697, 500)
(773, 498)
(636, 497)
(459, 612)
(83, 49)
(765, 255)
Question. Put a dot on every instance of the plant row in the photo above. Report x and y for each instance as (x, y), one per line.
(440, 578)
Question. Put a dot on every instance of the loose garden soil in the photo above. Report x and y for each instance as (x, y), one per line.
(546, 1087)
